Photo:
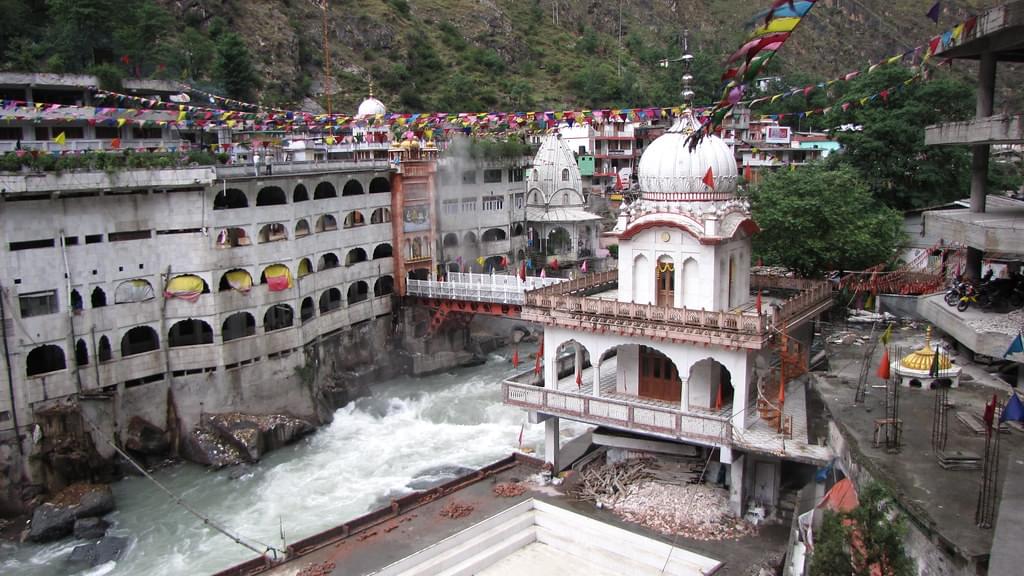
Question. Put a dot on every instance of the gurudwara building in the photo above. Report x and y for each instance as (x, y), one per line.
(672, 347)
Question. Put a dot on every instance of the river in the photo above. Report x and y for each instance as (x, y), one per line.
(372, 450)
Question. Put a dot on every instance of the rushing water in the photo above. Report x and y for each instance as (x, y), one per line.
(374, 448)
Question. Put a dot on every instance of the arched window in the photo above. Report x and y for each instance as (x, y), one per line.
(308, 310)
(380, 185)
(536, 175)
(326, 223)
(382, 251)
(327, 261)
(330, 300)
(352, 188)
(305, 267)
(137, 290)
(238, 325)
(44, 359)
(189, 332)
(357, 292)
(469, 239)
(535, 198)
(76, 300)
(383, 286)
(565, 174)
(517, 230)
(273, 232)
(103, 353)
(380, 216)
(301, 228)
(139, 340)
(99, 297)
(230, 198)
(417, 249)
(353, 219)
(565, 199)
(277, 317)
(81, 353)
(451, 240)
(232, 238)
(494, 235)
(355, 256)
(236, 279)
(324, 190)
(271, 196)
(300, 194)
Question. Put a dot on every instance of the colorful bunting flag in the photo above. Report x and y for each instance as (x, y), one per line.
(60, 138)
(933, 12)
(1016, 347)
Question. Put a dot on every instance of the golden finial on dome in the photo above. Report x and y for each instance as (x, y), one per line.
(921, 360)
(371, 88)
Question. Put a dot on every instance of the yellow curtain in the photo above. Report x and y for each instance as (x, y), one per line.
(239, 280)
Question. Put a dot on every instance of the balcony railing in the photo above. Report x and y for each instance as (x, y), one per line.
(618, 413)
(568, 303)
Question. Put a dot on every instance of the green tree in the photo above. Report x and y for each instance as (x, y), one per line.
(138, 32)
(881, 531)
(819, 218)
(79, 31)
(233, 68)
(890, 152)
(831, 555)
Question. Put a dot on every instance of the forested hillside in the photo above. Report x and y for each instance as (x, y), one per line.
(445, 54)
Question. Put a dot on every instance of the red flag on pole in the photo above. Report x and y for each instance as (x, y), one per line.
(990, 414)
(883, 368)
(579, 379)
(515, 356)
(522, 270)
(709, 179)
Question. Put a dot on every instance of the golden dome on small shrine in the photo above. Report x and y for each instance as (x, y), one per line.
(921, 360)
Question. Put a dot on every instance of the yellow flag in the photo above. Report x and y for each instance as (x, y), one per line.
(329, 140)
(59, 139)
(120, 122)
(480, 260)
(181, 116)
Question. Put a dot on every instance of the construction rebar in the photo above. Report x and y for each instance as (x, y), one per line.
(865, 367)
(985, 513)
(940, 430)
(892, 410)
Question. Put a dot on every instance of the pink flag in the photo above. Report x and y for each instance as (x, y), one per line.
(584, 268)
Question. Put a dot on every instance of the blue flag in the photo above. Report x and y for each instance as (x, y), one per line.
(1013, 410)
(1016, 347)
(933, 12)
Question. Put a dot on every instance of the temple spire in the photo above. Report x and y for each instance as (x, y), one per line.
(687, 60)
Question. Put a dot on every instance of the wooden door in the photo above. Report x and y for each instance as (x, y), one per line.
(658, 379)
(666, 284)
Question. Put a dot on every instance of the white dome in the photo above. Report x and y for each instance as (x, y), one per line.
(555, 170)
(371, 107)
(668, 170)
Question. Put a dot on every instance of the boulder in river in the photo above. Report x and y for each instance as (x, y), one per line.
(108, 549)
(90, 528)
(208, 448)
(56, 518)
(255, 435)
(145, 437)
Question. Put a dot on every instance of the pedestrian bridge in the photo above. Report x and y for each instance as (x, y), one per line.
(493, 288)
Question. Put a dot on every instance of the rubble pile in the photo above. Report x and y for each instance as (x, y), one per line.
(695, 511)
(455, 510)
(603, 484)
(319, 569)
(509, 489)
(1008, 323)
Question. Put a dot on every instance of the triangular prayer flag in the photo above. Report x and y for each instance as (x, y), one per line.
(543, 274)
(887, 335)
(60, 138)
(515, 357)
(584, 267)
(883, 367)
(1016, 347)
(989, 415)
(709, 178)
(1013, 410)
(933, 12)
(115, 144)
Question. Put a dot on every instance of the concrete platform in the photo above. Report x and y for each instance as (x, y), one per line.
(961, 326)
(999, 229)
(940, 503)
(997, 129)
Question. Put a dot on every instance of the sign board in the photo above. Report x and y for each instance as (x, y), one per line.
(777, 135)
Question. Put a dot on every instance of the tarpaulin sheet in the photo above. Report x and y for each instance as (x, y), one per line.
(239, 280)
(133, 291)
(186, 287)
(278, 277)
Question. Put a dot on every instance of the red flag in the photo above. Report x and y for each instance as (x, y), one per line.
(748, 173)
(718, 398)
(709, 179)
(554, 264)
(522, 270)
(579, 380)
(115, 144)
(990, 414)
(883, 368)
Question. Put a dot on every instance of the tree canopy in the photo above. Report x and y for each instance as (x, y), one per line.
(822, 218)
(233, 67)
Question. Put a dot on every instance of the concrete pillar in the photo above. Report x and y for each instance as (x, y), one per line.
(578, 364)
(551, 442)
(684, 403)
(740, 387)
(550, 363)
(597, 378)
(737, 491)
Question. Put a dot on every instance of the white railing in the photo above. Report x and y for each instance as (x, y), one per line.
(616, 412)
(503, 288)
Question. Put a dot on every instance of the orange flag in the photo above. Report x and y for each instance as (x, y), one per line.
(515, 356)
(709, 179)
(883, 368)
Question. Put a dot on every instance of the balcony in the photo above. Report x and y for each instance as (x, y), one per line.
(570, 305)
(998, 129)
(47, 182)
(333, 166)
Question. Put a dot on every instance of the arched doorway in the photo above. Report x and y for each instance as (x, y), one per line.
(709, 385)
(658, 378)
(665, 281)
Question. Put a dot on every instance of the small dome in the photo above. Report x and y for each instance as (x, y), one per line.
(669, 170)
(371, 107)
(921, 360)
(555, 170)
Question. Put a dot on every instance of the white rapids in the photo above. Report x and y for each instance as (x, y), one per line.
(410, 430)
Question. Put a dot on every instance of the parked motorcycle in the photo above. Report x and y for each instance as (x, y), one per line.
(979, 296)
(955, 291)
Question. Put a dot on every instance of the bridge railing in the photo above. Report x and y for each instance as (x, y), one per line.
(502, 288)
